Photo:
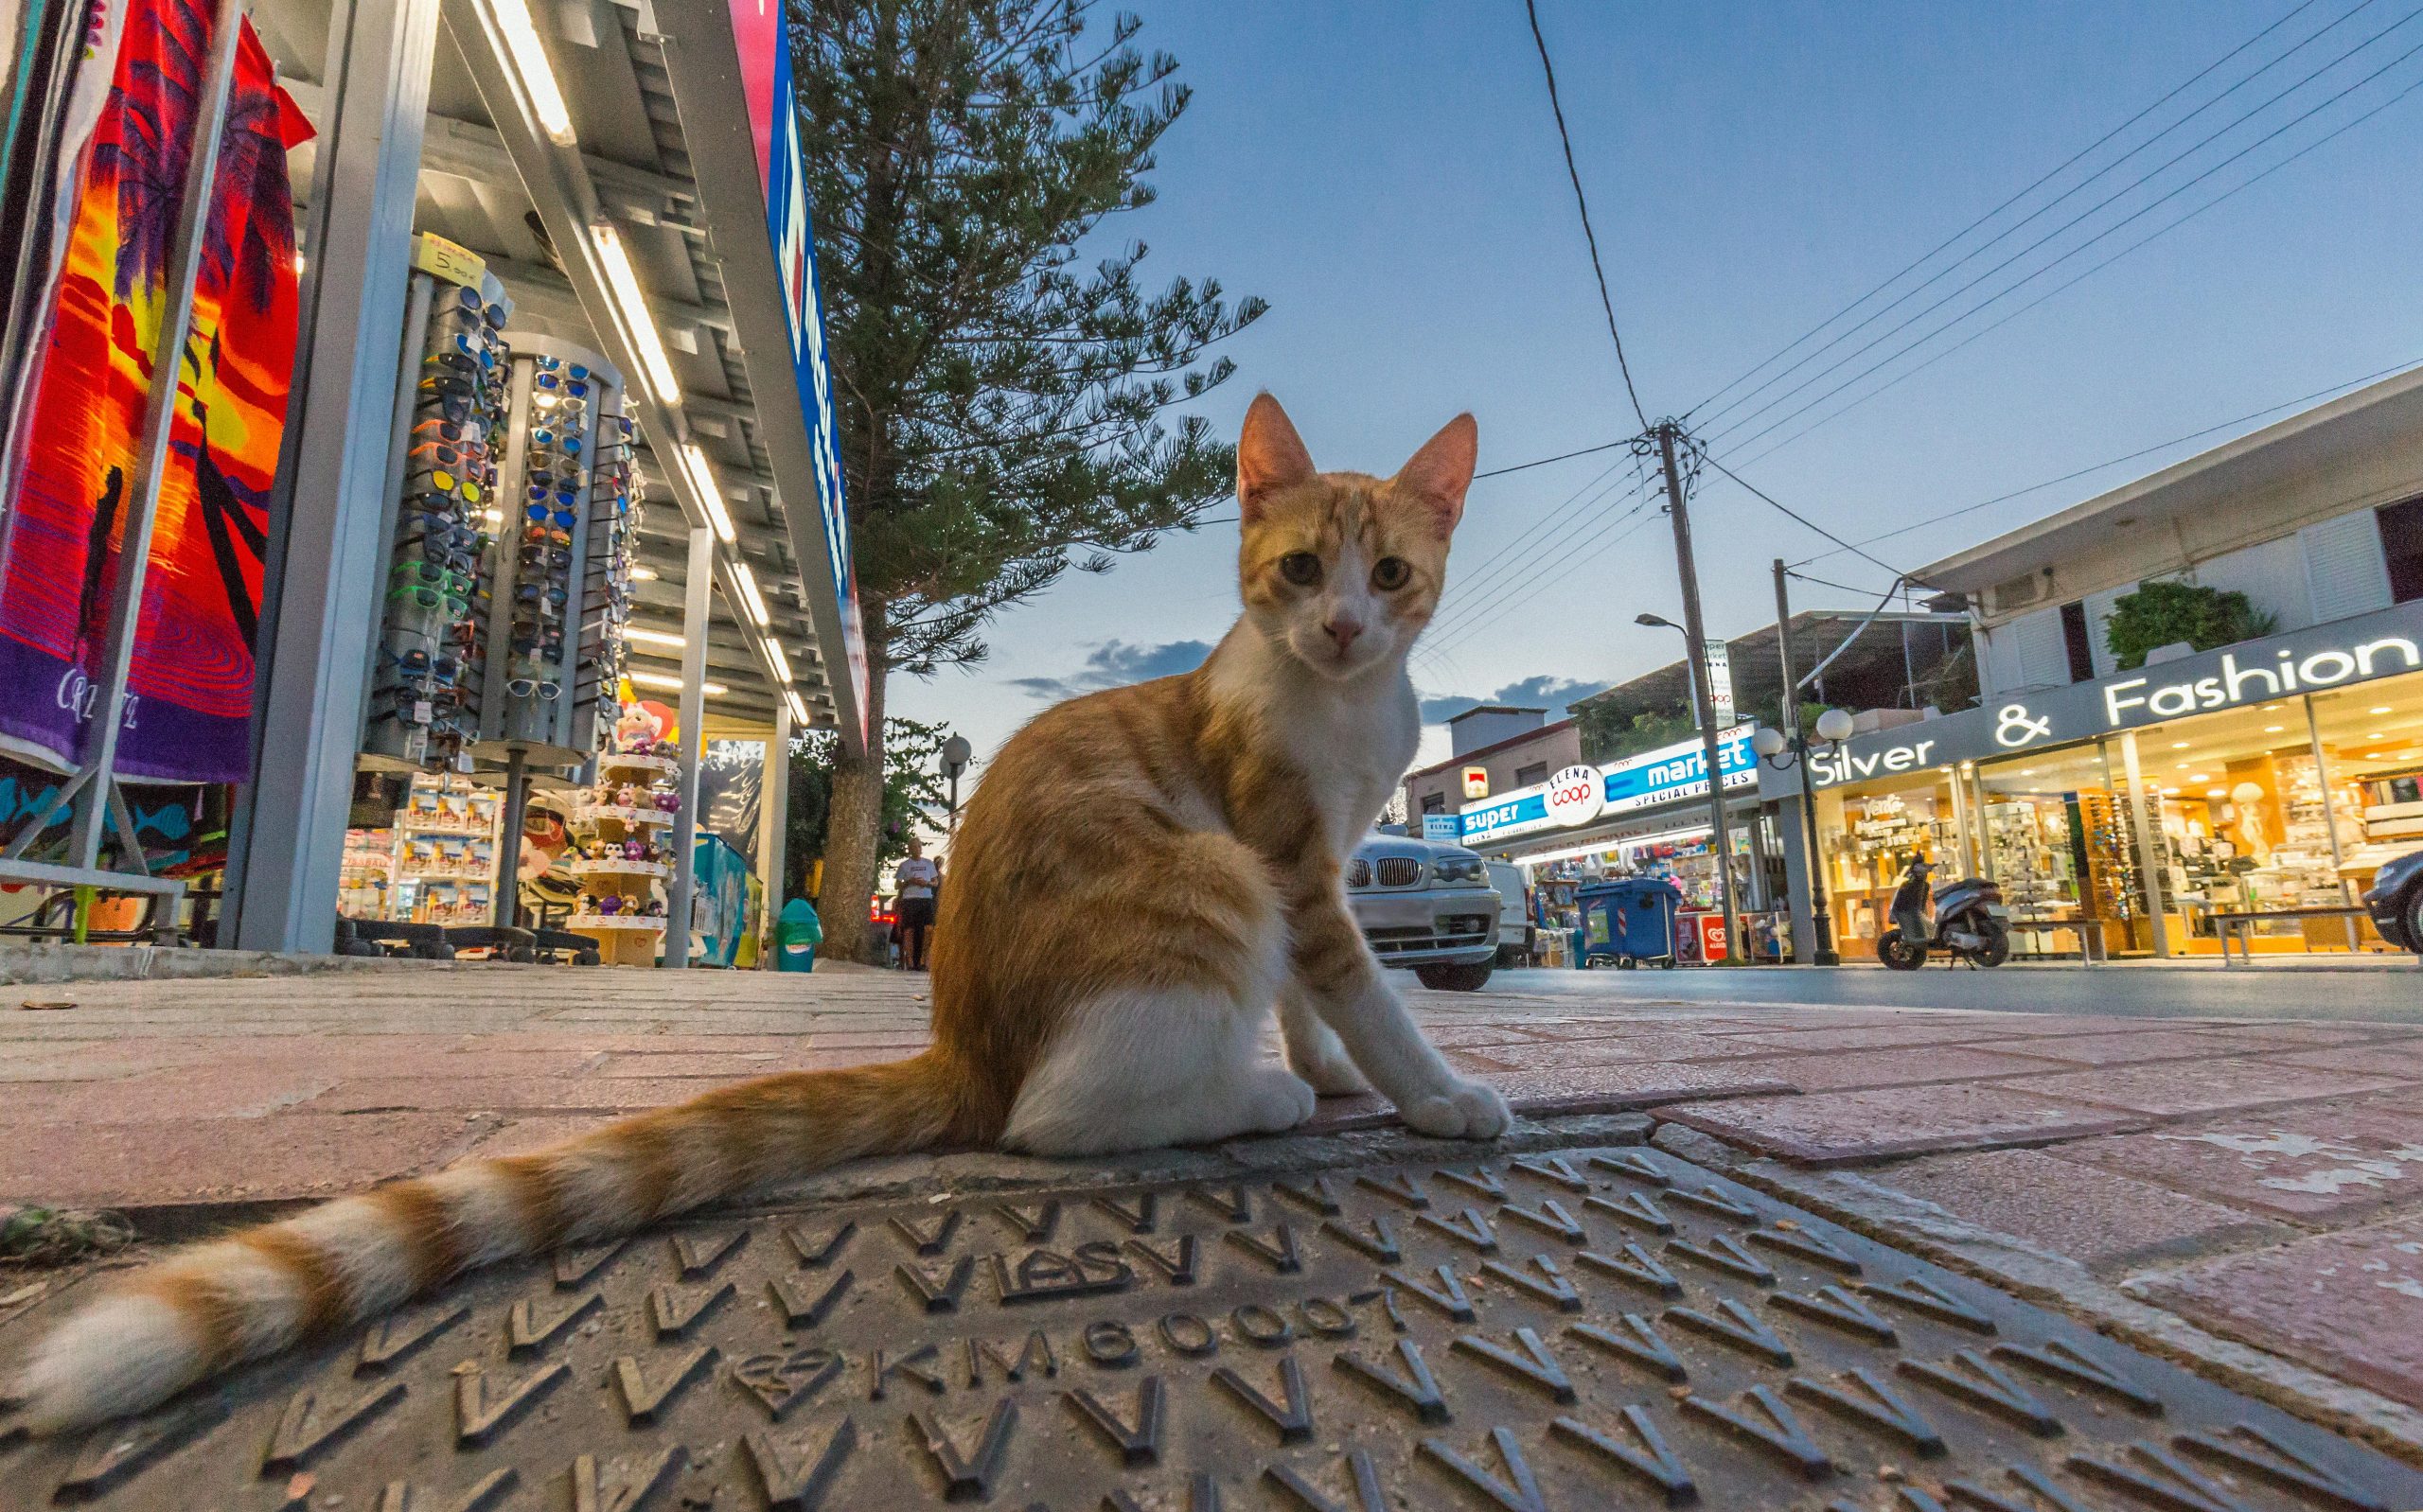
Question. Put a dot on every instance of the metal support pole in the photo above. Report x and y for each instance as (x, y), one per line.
(506, 910)
(1822, 951)
(2149, 848)
(97, 801)
(775, 820)
(1695, 631)
(2330, 821)
(321, 600)
(696, 590)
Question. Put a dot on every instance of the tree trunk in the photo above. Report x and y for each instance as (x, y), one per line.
(852, 832)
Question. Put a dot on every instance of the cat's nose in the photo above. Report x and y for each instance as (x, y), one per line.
(1343, 631)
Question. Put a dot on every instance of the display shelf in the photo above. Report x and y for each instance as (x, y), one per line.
(597, 812)
(615, 922)
(617, 869)
(659, 766)
(482, 878)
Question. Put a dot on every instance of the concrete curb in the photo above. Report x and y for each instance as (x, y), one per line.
(2063, 1285)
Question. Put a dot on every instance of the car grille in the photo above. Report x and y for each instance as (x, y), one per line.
(1399, 871)
(1358, 873)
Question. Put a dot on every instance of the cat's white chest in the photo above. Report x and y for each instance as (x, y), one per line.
(1352, 752)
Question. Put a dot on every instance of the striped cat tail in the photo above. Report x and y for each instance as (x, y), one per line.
(229, 1300)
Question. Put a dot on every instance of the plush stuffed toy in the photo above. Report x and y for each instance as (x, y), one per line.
(610, 905)
(636, 731)
(627, 796)
(669, 802)
(634, 850)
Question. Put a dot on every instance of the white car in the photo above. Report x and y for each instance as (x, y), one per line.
(1427, 906)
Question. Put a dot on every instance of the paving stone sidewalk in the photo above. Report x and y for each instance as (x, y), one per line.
(2260, 1182)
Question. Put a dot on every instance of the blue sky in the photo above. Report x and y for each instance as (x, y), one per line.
(1387, 174)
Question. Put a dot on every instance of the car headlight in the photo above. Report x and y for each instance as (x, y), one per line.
(1458, 869)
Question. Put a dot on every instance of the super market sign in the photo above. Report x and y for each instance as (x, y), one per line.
(1577, 795)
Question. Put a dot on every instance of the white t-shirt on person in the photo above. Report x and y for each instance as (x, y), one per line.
(916, 877)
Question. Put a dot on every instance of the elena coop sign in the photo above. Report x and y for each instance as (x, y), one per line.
(1579, 795)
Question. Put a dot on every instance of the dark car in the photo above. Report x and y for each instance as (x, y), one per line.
(2397, 901)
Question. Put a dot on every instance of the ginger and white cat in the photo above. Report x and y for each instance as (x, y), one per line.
(1142, 876)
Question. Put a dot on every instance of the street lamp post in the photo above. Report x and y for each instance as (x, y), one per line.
(956, 752)
(1833, 727)
(1710, 742)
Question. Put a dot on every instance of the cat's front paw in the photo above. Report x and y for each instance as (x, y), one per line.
(1333, 1076)
(1280, 1101)
(1466, 1110)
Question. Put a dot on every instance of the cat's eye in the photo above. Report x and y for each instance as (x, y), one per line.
(1389, 573)
(1301, 568)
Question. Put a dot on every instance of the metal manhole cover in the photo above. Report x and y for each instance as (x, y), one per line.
(1607, 1327)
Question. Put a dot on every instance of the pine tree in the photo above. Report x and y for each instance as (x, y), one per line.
(1001, 405)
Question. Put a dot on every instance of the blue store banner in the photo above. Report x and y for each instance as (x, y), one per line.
(1667, 775)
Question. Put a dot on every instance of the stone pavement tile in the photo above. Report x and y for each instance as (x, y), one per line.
(1834, 1128)
(210, 1091)
(2101, 1219)
(2126, 1049)
(1949, 1030)
(2350, 1303)
(2402, 1059)
(522, 1136)
(734, 1065)
(499, 1093)
(1638, 1084)
(1907, 1066)
(294, 1154)
(2320, 1034)
(1631, 1049)
(1461, 1036)
(2322, 1163)
(2178, 1088)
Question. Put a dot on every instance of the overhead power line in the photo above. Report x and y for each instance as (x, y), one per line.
(1508, 602)
(1509, 567)
(2072, 282)
(2067, 162)
(2114, 461)
(2074, 189)
(1531, 8)
(2131, 217)
(1561, 456)
(1796, 515)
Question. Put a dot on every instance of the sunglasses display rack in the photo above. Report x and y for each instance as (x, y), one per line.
(424, 707)
(552, 621)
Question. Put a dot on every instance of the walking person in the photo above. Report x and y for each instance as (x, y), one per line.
(915, 881)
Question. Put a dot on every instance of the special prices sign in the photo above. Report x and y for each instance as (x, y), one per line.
(1579, 795)
(2382, 644)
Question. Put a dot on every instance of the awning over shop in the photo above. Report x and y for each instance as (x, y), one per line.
(632, 216)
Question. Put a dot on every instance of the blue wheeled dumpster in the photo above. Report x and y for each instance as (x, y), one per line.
(1627, 920)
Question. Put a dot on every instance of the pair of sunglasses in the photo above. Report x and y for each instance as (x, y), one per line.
(536, 535)
(571, 388)
(420, 663)
(524, 687)
(528, 591)
(544, 556)
(553, 441)
(427, 433)
(456, 605)
(445, 482)
(538, 514)
(439, 453)
(428, 571)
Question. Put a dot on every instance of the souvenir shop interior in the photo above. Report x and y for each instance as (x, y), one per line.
(1682, 854)
(401, 624)
(2292, 804)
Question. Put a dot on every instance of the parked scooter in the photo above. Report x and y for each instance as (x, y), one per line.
(1971, 922)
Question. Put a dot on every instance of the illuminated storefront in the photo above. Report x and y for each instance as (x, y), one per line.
(2272, 776)
(1643, 816)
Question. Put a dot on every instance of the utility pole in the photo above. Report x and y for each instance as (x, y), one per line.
(1695, 630)
(1821, 918)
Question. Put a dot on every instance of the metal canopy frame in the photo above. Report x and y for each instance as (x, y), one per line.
(383, 78)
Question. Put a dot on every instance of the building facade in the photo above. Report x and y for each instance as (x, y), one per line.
(2137, 809)
(1515, 747)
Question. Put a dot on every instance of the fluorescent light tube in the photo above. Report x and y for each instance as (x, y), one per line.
(799, 708)
(658, 679)
(537, 75)
(782, 663)
(627, 294)
(651, 637)
(709, 495)
(748, 593)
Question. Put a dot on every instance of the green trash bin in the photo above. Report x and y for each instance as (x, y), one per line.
(796, 935)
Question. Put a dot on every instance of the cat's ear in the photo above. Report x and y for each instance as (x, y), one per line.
(1443, 469)
(1270, 456)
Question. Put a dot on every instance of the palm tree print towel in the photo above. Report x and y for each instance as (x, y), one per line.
(191, 687)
